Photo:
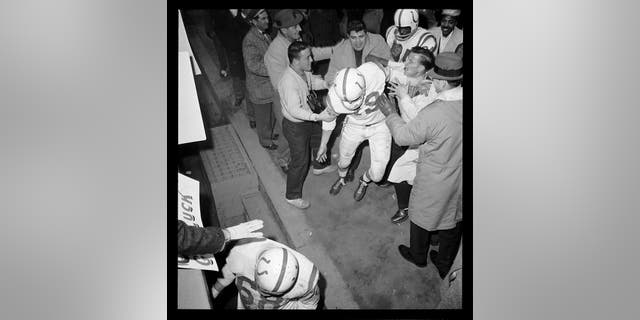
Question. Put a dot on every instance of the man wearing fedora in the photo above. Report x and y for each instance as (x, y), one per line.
(436, 198)
(276, 59)
(448, 35)
(260, 92)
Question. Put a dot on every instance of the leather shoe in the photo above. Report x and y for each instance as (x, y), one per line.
(406, 254)
(272, 146)
(299, 203)
(385, 184)
(327, 169)
(337, 186)
(434, 256)
(400, 216)
(361, 190)
(252, 124)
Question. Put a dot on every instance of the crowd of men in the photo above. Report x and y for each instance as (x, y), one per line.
(315, 77)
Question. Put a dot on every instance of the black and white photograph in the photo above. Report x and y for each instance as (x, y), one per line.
(320, 159)
(315, 158)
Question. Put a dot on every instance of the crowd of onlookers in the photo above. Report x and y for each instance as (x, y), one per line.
(311, 78)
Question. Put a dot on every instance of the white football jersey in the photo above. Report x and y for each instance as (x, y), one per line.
(375, 82)
(421, 38)
(241, 264)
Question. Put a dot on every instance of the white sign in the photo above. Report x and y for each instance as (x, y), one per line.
(190, 124)
(183, 42)
(189, 213)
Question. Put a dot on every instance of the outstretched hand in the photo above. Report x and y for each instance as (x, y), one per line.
(246, 230)
(385, 105)
(321, 155)
(399, 90)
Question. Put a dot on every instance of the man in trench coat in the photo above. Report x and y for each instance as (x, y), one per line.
(436, 199)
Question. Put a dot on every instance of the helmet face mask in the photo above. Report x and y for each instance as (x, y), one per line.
(404, 31)
(356, 103)
(406, 19)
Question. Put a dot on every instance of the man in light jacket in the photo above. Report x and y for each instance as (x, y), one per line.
(300, 124)
(436, 198)
(448, 35)
(352, 53)
(276, 59)
(412, 97)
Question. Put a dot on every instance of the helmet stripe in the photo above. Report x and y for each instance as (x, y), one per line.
(423, 39)
(312, 278)
(361, 77)
(282, 270)
(400, 18)
(344, 85)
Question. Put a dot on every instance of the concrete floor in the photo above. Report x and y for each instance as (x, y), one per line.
(357, 236)
(363, 243)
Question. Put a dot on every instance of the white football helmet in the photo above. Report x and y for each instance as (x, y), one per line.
(276, 271)
(406, 18)
(347, 93)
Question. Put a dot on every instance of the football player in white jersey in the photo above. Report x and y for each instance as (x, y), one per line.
(270, 275)
(354, 92)
(406, 34)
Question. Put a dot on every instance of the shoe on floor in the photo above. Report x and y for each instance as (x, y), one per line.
(406, 254)
(434, 256)
(299, 203)
(272, 146)
(361, 190)
(400, 216)
(385, 184)
(327, 169)
(337, 186)
(252, 124)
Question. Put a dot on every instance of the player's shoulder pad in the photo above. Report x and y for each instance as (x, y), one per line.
(390, 32)
(249, 240)
(370, 67)
(427, 40)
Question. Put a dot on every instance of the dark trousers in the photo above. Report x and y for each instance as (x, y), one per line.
(265, 121)
(304, 140)
(403, 193)
(233, 62)
(449, 243)
(251, 109)
(355, 161)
